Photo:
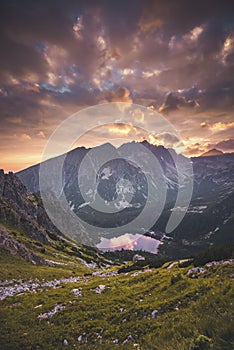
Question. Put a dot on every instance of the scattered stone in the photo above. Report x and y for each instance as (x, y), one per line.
(105, 274)
(196, 270)
(154, 313)
(129, 338)
(52, 262)
(92, 265)
(137, 273)
(100, 289)
(77, 292)
(221, 262)
(11, 288)
(51, 313)
(138, 257)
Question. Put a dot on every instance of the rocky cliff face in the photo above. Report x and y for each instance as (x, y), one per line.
(115, 181)
(26, 230)
(10, 243)
(22, 210)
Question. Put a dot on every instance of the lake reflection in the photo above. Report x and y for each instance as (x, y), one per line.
(131, 242)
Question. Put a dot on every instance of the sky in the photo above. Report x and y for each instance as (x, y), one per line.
(58, 57)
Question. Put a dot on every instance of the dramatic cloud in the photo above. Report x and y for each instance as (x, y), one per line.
(176, 101)
(221, 126)
(60, 56)
(166, 139)
(122, 129)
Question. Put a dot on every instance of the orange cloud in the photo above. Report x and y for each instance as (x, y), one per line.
(165, 139)
(221, 126)
(121, 94)
(203, 124)
(25, 137)
(122, 129)
(41, 134)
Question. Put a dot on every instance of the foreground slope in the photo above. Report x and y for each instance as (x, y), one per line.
(170, 307)
(26, 230)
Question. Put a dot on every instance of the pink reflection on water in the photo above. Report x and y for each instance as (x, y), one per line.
(131, 242)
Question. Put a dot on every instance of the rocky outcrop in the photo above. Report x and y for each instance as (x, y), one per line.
(22, 210)
(14, 246)
(26, 230)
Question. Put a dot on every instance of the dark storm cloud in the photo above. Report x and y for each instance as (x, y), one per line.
(176, 101)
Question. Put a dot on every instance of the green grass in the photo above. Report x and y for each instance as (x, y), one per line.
(193, 313)
(60, 251)
(15, 267)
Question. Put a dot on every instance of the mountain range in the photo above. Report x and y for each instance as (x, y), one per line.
(208, 220)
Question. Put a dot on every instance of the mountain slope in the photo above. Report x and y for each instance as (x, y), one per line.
(170, 308)
(26, 230)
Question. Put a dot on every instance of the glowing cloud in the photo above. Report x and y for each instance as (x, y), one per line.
(122, 129)
(25, 137)
(221, 126)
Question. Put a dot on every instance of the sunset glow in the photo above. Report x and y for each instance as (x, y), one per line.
(172, 59)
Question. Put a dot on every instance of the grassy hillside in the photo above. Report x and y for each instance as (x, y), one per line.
(63, 253)
(166, 308)
(56, 293)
